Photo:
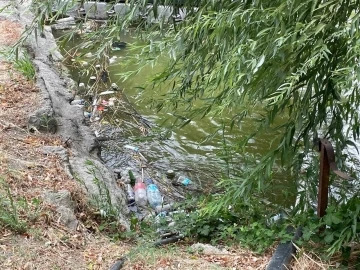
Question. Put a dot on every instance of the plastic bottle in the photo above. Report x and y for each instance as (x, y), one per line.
(130, 195)
(140, 194)
(182, 180)
(132, 178)
(153, 193)
(77, 102)
(134, 148)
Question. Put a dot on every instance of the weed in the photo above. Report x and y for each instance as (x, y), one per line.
(21, 63)
(9, 210)
(107, 213)
(25, 66)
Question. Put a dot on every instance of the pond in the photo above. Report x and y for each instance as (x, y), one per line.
(181, 149)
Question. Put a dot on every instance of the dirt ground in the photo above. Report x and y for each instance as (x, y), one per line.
(26, 173)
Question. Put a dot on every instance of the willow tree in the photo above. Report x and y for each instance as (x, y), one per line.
(295, 58)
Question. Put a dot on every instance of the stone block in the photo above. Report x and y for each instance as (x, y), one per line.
(43, 120)
(123, 9)
(97, 10)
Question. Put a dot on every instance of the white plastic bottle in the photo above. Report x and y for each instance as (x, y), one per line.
(140, 194)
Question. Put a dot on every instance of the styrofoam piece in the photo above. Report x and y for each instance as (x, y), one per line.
(106, 93)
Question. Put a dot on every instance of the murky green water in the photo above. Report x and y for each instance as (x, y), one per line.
(182, 150)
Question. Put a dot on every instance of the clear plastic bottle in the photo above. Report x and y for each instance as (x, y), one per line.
(140, 194)
(153, 194)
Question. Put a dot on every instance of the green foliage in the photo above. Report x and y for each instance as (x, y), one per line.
(338, 230)
(342, 225)
(22, 64)
(107, 210)
(241, 224)
(9, 216)
(297, 59)
(25, 66)
(16, 213)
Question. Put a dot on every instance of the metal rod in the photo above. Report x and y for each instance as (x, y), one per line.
(324, 181)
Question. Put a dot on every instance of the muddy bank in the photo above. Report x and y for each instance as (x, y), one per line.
(80, 151)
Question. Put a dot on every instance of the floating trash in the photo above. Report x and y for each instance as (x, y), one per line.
(132, 178)
(77, 102)
(134, 148)
(119, 45)
(130, 195)
(153, 193)
(82, 11)
(110, 12)
(88, 55)
(114, 86)
(84, 63)
(105, 102)
(82, 86)
(182, 181)
(100, 107)
(112, 59)
(104, 76)
(140, 194)
(112, 101)
(109, 92)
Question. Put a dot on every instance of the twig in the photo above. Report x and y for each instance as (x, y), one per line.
(11, 125)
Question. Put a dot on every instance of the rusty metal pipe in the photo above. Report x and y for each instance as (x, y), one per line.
(323, 192)
(327, 162)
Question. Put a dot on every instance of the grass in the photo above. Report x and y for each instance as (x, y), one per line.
(25, 66)
(9, 210)
(306, 259)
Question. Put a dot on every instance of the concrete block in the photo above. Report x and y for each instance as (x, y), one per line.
(123, 9)
(68, 7)
(96, 10)
(164, 13)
